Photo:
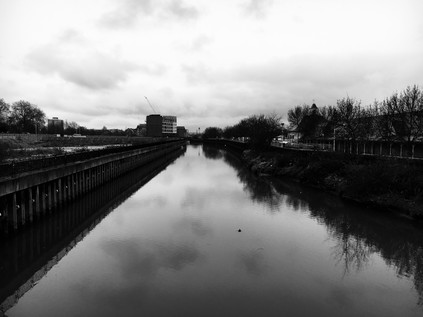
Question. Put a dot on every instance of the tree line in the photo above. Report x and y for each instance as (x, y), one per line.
(257, 130)
(21, 117)
(397, 117)
(25, 117)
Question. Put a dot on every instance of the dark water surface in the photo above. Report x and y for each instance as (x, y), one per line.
(170, 246)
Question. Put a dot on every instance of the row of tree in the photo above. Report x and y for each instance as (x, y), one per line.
(24, 117)
(21, 117)
(398, 117)
(258, 130)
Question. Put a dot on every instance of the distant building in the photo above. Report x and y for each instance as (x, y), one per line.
(169, 126)
(158, 125)
(154, 125)
(181, 132)
(141, 129)
(55, 126)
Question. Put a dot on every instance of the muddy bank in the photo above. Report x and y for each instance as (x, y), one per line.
(388, 185)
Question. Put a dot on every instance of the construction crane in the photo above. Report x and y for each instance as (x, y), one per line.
(151, 106)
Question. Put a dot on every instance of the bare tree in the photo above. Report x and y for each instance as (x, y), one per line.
(402, 114)
(349, 115)
(26, 117)
(4, 115)
(71, 127)
(296, 115)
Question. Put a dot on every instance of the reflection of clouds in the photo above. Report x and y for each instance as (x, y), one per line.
(145, 259)
(194, 198)
(196, 226)
(157, 201)
(253, 262)
(344, 296)
(200, 229)
(138, 267)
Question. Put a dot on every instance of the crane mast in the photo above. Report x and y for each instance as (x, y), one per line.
(151, 106)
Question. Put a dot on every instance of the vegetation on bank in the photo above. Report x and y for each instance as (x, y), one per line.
(257, 130)
(396, 118)
(393, 185)
(19, 150)
(385, 183)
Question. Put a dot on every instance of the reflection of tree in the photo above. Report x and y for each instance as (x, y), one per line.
(359, 232)
(212, 152)
(260, 189)
(351, 252)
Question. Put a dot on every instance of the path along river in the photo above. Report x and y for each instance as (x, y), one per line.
(205, 237)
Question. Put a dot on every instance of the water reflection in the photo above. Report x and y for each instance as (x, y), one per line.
(259, 189)
(173, 249)
(358, 232)
(253, 262)
(28, 256)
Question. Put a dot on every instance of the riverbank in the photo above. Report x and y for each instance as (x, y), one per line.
(385, 184)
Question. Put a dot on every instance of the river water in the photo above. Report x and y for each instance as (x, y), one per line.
(205, 237)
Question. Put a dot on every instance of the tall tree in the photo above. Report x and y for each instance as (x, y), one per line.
(349, 113)
(403, 114)
(4, 115)
(71, 127)
(262, 129)
(26, 117)
(212, 133)
(296, 115)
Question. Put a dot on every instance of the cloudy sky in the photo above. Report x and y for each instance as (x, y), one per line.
(210, 63)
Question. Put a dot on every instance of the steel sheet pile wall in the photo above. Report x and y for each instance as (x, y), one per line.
(28, 196)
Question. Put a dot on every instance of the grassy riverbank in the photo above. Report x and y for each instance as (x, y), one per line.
(386, 184)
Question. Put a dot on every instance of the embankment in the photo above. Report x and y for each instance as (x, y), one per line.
(387, 184)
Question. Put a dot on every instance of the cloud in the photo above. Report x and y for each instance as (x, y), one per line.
(200, 42)
(178, 9)
(257, 8)
(127, 13)
(74, 61)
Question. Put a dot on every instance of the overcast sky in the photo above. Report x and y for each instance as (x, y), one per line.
(210, 63)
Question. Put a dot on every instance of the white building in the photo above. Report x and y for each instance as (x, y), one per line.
(169, 125)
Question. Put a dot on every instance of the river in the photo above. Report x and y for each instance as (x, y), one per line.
(202, 236)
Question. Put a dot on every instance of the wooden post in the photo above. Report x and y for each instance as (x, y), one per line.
(14, 212)
(55, 194)
(65, 189)
(59, 191)
(73, 186)
(43, 199)
(30, 205)
(49, 196)
(22, 207)
(6, 214)
(37, 201)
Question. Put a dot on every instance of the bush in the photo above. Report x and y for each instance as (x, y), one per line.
(382, 178)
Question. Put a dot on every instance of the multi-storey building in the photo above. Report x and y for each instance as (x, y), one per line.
(169, 126)
(158, 125)
(55, 126)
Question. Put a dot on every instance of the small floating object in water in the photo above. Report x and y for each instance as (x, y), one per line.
(239, 230)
